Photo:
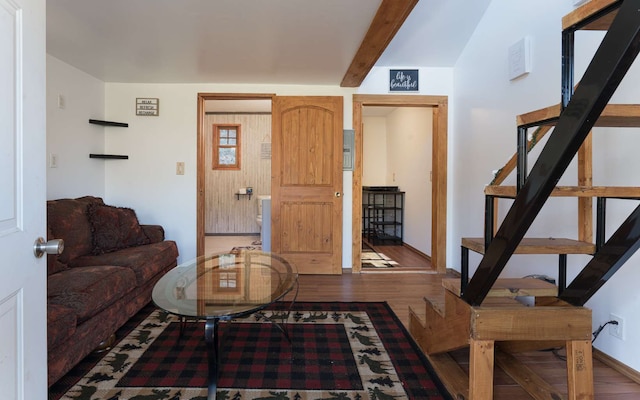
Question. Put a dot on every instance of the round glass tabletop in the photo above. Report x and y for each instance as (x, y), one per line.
(225, 285)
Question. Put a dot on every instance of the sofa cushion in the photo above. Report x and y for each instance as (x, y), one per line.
(114, 228)
(155, 233)
(145, 261)
(61, 324)
(67, 220)
(89, 290)
(54, 265)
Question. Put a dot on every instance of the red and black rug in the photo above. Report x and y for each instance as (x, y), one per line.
(338, 351)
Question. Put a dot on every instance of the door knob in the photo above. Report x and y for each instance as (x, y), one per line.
(338, 194)
(53, 246)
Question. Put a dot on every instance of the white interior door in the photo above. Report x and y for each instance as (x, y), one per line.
(23, 291)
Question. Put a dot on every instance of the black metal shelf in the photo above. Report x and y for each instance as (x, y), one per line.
(382, 215)
(109, 156)
(385, 223)
(109, 123)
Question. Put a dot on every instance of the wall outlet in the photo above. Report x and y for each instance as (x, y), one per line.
(616, 330)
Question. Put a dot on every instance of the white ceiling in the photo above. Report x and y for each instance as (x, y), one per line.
(246, 41)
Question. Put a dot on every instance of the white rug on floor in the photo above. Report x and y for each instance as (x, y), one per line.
(371, 259)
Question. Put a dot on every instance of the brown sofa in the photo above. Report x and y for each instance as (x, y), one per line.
(103, 277)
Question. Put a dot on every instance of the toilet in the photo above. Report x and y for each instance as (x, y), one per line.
(259, 217)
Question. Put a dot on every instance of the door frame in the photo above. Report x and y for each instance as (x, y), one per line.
(439, 105)
(201, 155)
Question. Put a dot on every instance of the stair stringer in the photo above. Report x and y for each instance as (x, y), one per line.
(443, 330)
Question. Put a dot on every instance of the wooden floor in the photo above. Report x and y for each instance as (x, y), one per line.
(407, 289)
(407, 258)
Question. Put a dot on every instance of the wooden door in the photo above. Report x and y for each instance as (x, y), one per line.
(23, 287)
(306, 182)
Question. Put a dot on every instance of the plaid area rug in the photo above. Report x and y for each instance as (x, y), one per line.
(341, 351)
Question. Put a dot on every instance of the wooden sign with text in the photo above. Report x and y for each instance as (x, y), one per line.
(148, 106)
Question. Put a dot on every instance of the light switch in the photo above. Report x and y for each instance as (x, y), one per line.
(53, 160)
(180, 168)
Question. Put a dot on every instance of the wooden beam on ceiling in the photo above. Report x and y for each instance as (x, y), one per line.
(388, 19)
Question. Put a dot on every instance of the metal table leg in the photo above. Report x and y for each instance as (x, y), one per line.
(211, 339)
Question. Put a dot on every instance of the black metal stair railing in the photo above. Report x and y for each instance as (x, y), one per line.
(609, 258)
(611, 62)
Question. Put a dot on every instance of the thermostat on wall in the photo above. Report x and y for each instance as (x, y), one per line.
(520, 58)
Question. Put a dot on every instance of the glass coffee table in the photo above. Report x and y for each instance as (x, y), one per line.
(222, 287)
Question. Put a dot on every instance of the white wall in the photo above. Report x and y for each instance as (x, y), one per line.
(147, 181)
(397, 151)
(70, 136)
(409, 147)
(486, 104)
(374, 151)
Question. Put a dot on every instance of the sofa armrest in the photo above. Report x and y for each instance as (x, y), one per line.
(155, 233)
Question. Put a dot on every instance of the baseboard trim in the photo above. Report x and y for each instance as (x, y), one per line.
(617, 365)
(421, 254)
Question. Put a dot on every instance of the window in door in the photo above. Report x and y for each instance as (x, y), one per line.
(226, 147)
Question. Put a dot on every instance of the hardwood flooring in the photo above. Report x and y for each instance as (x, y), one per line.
(408, 259)
(408, 289)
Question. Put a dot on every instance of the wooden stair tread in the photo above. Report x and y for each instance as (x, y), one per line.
(586, 11)
(628, 192)
(614, 115)
(538, 246)
(510, 288)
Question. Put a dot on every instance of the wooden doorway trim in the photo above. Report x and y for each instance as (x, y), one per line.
(439, 104)
(202, 131)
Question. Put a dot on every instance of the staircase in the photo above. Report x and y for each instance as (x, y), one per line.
(482, 313)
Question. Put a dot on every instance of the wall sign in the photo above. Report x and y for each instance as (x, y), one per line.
(148, 106)
(403, 80)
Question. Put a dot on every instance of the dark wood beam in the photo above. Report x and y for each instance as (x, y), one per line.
(388, 19)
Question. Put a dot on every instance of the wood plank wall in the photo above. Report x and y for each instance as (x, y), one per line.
(224, 213)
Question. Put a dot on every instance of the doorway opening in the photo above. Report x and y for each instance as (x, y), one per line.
(438, 176)
(396, 197)
(228, 200)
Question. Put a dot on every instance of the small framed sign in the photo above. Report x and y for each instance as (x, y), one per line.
(149, 107)
(403, 80)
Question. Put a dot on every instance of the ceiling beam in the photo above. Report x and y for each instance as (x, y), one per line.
(388, 19)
